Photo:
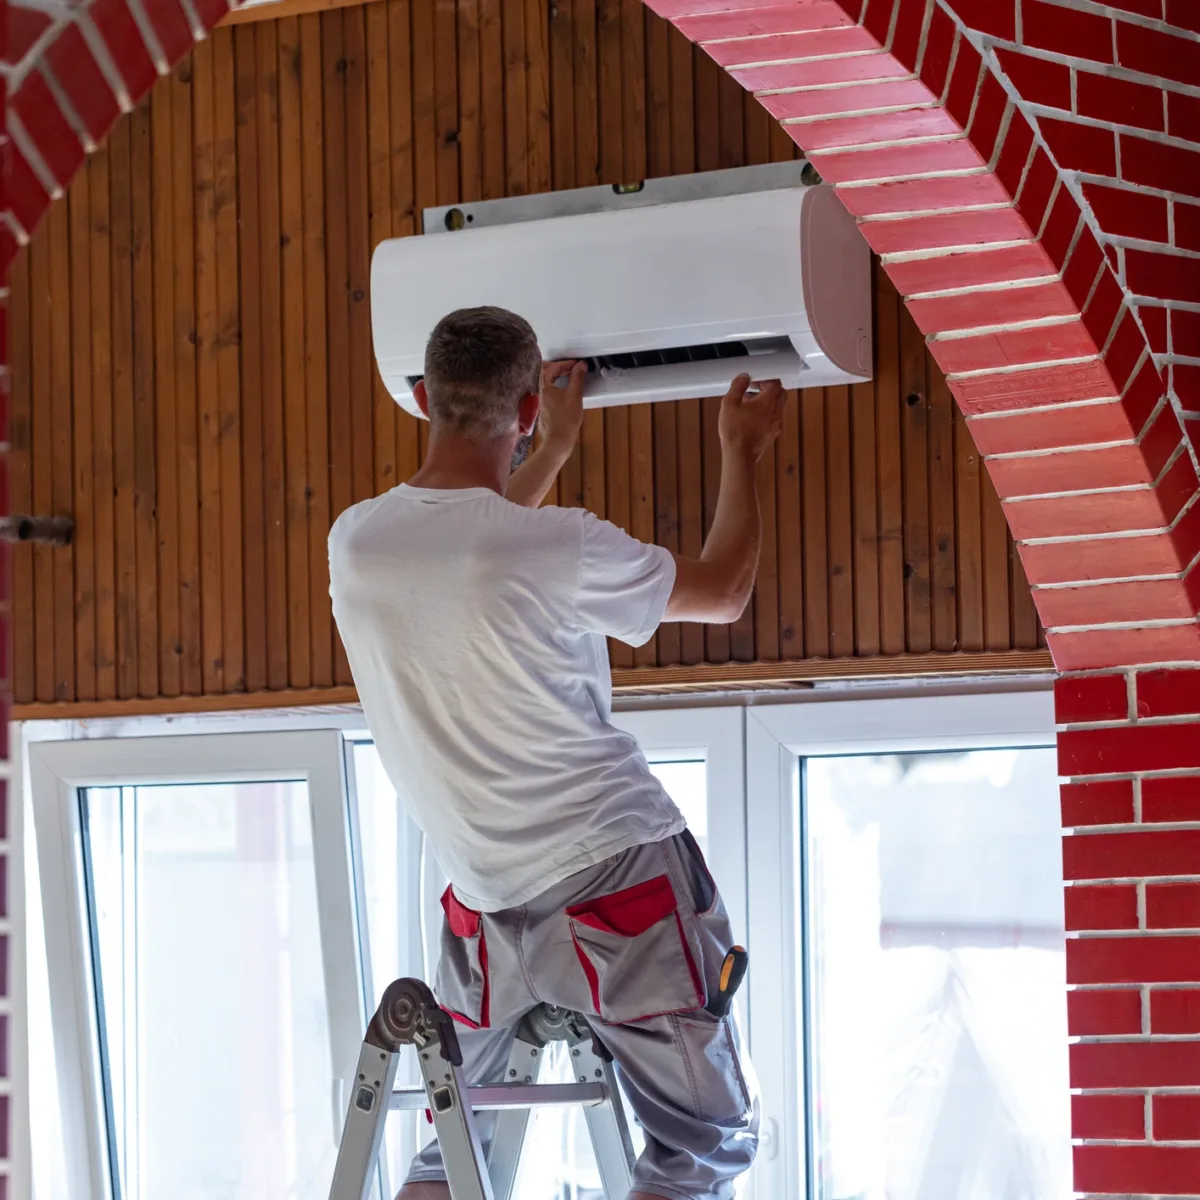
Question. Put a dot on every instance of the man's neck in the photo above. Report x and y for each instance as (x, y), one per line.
(453, 462)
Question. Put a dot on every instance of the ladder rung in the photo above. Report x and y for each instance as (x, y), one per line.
(513, 1095)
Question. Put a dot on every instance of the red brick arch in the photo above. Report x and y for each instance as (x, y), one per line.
(1029, 172)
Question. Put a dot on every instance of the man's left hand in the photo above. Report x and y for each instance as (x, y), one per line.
(562, 407)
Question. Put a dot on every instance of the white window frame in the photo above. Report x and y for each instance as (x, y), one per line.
(58, 770)
(778, 738)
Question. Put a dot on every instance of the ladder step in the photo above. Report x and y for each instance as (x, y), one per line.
(513, 1095)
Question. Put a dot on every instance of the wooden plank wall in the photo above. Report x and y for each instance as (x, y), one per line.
(193, 377)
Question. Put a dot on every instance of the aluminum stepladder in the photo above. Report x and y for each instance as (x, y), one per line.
(407, 1015)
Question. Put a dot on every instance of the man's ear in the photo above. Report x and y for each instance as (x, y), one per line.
(527, 413)
(421, 396)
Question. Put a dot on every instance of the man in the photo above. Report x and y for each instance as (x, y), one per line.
(475, 625)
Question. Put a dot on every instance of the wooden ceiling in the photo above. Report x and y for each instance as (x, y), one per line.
(194, 382)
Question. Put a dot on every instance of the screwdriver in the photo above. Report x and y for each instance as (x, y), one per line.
(733, 969)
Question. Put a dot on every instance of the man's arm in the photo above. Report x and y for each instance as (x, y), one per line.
(560, 419)
(715, 588)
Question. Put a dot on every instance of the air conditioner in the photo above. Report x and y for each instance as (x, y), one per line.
(668, 289)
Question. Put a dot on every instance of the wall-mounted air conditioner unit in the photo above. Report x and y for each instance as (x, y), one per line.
(669, 289)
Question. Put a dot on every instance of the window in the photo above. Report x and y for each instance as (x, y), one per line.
(907, 863)
(201, 961)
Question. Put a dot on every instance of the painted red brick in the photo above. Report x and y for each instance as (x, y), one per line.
(1187, 226)
(1108, 1117)
(873, 130)
(1035, 387)
(1101, 907)
(1184, 14)
(1133, 748)
(1185, 383)
(25, 26)
(56, 141)
(858, 68)
(1103, 802)
(211, 11)
(1174, 1010)
(1145, 8)
(775, 48)
(1101, 309)
(1067, 31)
(1154, 322)
(831, 102)
(1069, 471)
(939, 44)
(1126, 349)
(1183, 116)
(994, 17)
(878, 19)
(1162, 958)
(1171, 798)
(1037, 80)
(995, 351)
(1064, 516)
(1168, 693)
(171, 26)
(1136, 1168)
(754, 22)
(974, 268)
(964, 83)
(925, 195)
(124, 42)
(1130, 855)
(1079, 698)
(942, 314)
(1156, 53)
(1035, 192)
(1135, 1064)
(906, 36)
(1158, 165)
(1185, 330)
(1165, 276)
(891, 161)
(945, 231)
(27, 197)
(989, 113)
(1061, 225)
(1173, 906)
(1120, 101)
(1128, 213)
(1093, 1012)
(1176, 1118)
(78, 75)
(1099, 648)
(1010, 165)
(675, 9)
(1079, 147)
(1083, 267)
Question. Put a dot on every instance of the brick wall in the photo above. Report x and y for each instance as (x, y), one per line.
(7, 908)
(1028, 172)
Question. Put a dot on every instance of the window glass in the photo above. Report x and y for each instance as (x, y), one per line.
(214, 1026)
(937, 986)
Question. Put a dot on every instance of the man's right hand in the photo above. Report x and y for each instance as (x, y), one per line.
(751, 416)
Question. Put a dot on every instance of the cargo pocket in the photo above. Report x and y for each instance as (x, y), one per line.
(462, 974)
(633, 951)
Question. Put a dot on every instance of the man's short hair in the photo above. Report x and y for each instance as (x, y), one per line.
(479, 363)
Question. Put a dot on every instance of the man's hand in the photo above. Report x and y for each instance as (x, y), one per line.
(751, 419)
(562, 407)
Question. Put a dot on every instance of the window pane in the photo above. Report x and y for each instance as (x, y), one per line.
(687, 784)
(936, 954)
(204, 916)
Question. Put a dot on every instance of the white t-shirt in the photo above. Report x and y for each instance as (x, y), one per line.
(475, 631)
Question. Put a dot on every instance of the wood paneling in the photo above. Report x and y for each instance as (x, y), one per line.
(193, 376)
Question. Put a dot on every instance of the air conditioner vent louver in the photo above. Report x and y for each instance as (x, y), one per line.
(704, 352)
